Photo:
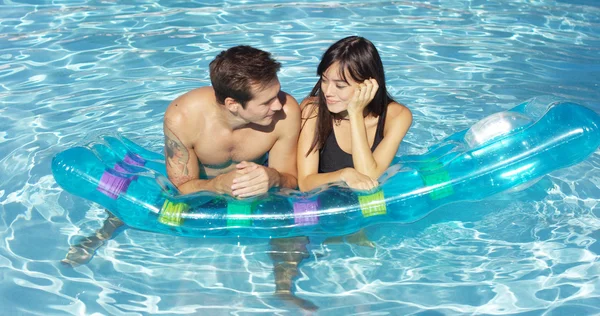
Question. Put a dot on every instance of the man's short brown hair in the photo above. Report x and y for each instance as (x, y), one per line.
(234, 71)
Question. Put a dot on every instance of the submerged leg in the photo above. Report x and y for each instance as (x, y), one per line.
(287, 253)
(359, 238)
(83, 251)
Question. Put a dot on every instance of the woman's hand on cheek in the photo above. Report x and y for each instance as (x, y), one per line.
(363, 95)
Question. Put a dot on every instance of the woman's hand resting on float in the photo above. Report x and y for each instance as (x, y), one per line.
(356, 180)
(363, 95)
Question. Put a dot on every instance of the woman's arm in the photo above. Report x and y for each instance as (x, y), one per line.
(374, 164)
(309, 177)
(361, 152)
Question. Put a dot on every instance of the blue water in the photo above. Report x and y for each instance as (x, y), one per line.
(70, 70)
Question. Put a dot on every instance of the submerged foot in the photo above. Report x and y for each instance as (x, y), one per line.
(83, 252)
(302, 303)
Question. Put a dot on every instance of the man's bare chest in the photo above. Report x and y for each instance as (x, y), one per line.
(240, 145)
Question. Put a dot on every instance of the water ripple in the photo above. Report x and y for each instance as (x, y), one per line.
(75, 69)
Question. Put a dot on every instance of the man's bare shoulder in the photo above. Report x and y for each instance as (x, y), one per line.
(185, 117)
(289, 117)
(290, 107)
(195, 100)
(186, 108)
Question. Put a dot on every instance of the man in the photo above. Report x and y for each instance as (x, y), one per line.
(216, 138)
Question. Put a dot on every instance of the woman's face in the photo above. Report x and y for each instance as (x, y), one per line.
(338, 92)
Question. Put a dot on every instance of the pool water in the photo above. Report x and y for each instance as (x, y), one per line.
(72, 70)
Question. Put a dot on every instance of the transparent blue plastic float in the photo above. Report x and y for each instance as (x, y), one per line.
(504, 151)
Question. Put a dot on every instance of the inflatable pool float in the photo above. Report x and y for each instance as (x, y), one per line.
(504, 151)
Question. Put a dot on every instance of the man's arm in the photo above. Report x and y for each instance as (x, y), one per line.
(183, 168)
(282, 157)
(255, 179)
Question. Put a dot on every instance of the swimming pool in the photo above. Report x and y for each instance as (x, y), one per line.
(70, 70)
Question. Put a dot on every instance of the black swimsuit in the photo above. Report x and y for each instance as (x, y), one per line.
(333, 158)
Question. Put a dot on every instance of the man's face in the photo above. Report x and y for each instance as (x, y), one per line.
(265, 104)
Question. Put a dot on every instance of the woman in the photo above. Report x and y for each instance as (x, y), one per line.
(351, 132)
(352, 128)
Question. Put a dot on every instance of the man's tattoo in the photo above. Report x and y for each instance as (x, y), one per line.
(177, 155)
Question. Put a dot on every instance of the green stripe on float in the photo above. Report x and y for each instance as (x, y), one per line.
(170, 213)
(234, 208)
(433, 174)
(372, 204)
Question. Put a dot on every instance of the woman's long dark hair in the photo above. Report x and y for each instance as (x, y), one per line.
(359, 57)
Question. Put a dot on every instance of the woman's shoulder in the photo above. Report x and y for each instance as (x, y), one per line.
(310, 100)
(309, 107)
(396, 110)
(398, 116)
